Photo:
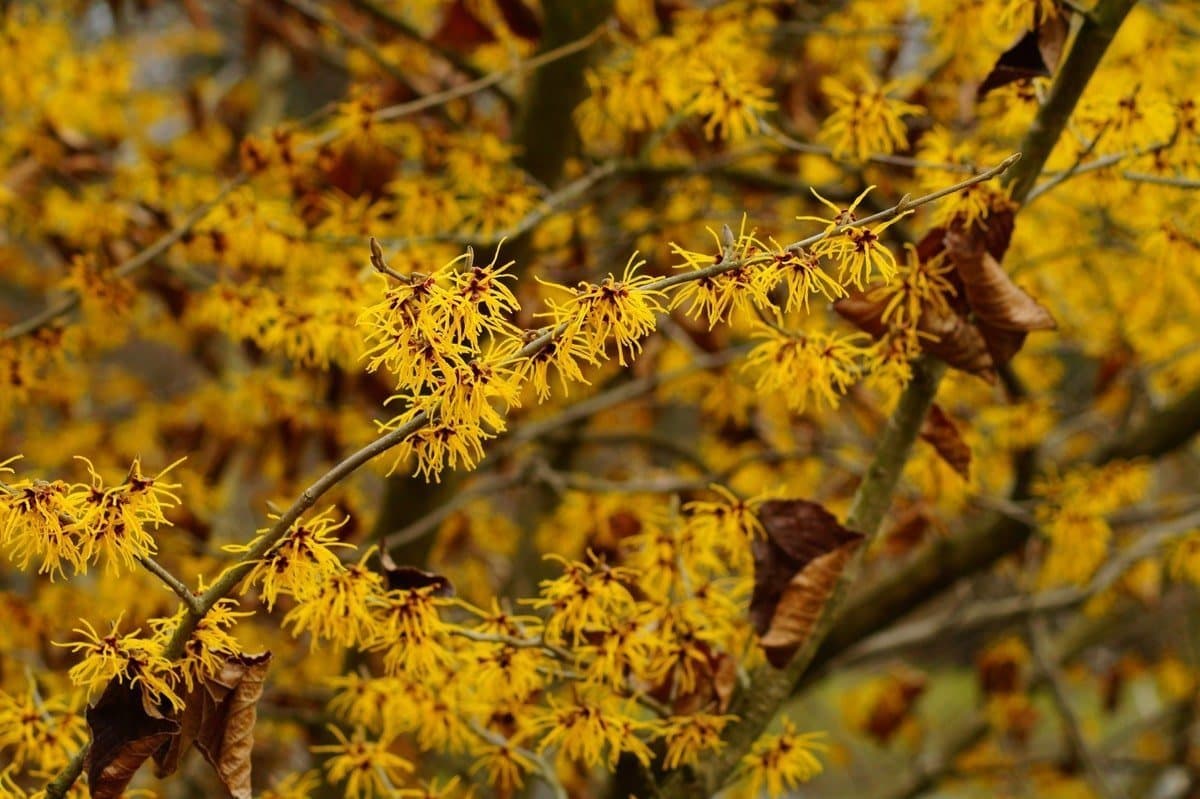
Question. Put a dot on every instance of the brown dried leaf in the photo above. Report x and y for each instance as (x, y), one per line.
(716, 677)
(1035, 55)
(997, 301)
(125, 732)
(218, 717)
(410, 578)
(931, 244)
(169, 754)
(940, 431)
(1004, 311)
(520, 19)
(1000, 672)
(864, 313)
(795, 571)
(1022, 61)
(958, 343)
(1051, 37)
(226, 735)
(1002, 344)
(461, 30)
(996, 229)
(197, 14)
(907, 530)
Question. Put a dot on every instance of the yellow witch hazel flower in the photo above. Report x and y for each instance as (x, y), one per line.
(478, 392)
(446, 339)
(299, 785)
(43, 733)
(506, 765)
(800, 366)
(508, 672)
(126, 658)
(483, 300)
(583, 597)
(299, 564)
(865, 122)
(408, 627)
(624, 310)
(436, 446)
(920, 287)
(111, 523)
(780, 762)
(689, 738)
(716, 521)
(730, 102)
(802, 276)
(738, 288)
(210, 641)
(368, 768)
(339, 608)
(407, 329)
(593, 730)
(857, 249)
(35, 523)
(1073, 517)
(562, 356)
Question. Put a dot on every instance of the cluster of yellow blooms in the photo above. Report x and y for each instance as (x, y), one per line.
(60, 526)
(262, 344)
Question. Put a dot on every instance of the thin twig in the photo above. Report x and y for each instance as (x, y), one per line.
(795, 144)
(545, 769)
(1062, 702)
(189, 598)
(537, 62)
(126, 268)
(428, 523)
(1072, 170)
(400, 25)
(552, 204)
(906, 204)
(1103, 162)
(544, 427)
(324, 16)
(1003, 611)
(1176, 181)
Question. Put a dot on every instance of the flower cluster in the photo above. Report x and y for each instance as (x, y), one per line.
(71, 526)
(866, 121)
(1073, 518)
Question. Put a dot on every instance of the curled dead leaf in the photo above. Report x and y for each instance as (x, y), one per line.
(715, 680)
(1035, 55)
(460, 30)
(520, 19)
(410, 578)
(957, 342)
(863, 312)
(908, 529)
(125, 732)
(796, 569)
(218, 718)
(940, 431)
(1022, 61)
(959, 333)
(993, 296)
